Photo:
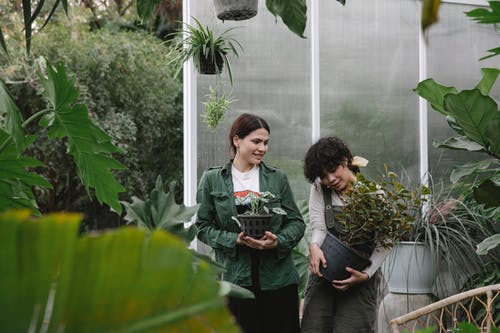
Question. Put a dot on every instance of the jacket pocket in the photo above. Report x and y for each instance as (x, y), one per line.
(223, 210)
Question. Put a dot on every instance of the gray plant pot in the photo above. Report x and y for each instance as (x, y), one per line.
(410, 269)
(235, 10)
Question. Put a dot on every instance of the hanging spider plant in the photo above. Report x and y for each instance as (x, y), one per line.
(208, 51)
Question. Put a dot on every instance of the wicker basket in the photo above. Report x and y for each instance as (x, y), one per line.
(235, 10)
(255, 226)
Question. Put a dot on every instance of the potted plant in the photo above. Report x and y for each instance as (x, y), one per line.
(445, 236)
(254, 222)
(376, 213)
(215, 107)
(208, 51)
(235, 10)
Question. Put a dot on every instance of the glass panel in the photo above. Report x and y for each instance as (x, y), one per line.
(455, 45)
(272, 80)
(369, 66)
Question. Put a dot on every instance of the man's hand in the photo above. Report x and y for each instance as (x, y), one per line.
(356, 277)
(266, 242)
(316, 258)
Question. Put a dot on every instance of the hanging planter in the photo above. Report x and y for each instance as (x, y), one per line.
(208, 51)
(211, 65)
(235, 10)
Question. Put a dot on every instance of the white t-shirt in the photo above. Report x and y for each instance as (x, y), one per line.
(245, 182)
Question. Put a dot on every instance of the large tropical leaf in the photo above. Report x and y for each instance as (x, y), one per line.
(13, 119)
(483, 15)
(459, 143)
(493, 136)
(161, 211)
(467, 169)
(120, 281)
(15, 180)
(488, 244)
(473, 112)
(292, 12)
(490, 75)
(434, 93)
(87, 143)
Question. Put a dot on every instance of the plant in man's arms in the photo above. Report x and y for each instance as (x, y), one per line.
(379, 212)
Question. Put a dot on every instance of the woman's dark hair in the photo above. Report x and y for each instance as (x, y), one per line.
(244, 125)
(326, 155)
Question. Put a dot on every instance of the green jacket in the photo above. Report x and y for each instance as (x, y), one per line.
(216, 228)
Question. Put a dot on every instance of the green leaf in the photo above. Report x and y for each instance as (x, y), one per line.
(13, 118)
(2, 42)
(87, 143)
(118, 281)
(233, 290)
(483, 15)
(161, 211)
(495, 52)
(145, 8)
(430, 10)
(493, 135)
(292, 12)
(490, 75)
(434, 93)
(52, 11)
(488, 193)
(27, 23)
(15, 180)
(473, 112)
(488, 244)
(467, 169)
(465, 327)
(459, 143)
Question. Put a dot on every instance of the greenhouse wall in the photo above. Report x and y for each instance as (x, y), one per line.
(352, 76)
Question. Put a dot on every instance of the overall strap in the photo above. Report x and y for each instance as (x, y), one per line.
(329, 212)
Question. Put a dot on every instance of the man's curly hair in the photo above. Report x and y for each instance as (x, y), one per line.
(326, 155)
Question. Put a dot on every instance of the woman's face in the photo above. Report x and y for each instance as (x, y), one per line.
(339, 179)
(251, 149)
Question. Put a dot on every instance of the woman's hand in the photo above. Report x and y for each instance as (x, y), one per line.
(316, 258)
(266, 242)
(356, 277)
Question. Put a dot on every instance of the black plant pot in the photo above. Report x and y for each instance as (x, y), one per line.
(339, 256)
(208, 66)
(255, 225)
(235, 10)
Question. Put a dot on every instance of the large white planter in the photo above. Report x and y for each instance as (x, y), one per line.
(410, 269)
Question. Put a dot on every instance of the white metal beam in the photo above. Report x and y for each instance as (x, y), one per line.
(189, 122)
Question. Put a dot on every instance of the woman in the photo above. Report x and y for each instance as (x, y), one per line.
(264, 266)
(345, 306)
